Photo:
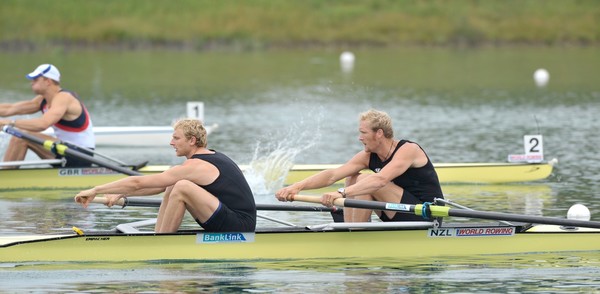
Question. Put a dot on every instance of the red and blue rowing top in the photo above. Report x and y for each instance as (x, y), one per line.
(78, 131)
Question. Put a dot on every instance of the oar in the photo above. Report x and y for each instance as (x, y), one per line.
(62, 149)
(96, 153)
(444, 211)
(153, 202)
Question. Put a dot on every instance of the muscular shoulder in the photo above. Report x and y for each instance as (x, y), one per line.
(412, 152)
(69, 102)
(410, 147)
(199, 171)
(361, 159)
(65, 96)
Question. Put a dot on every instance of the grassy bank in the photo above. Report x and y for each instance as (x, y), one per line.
(257, 24)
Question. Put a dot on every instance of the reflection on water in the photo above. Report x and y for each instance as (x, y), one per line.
(476, 274)
(523, 198)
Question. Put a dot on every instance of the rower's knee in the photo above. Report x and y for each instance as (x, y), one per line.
(17, 142)
(184, 190)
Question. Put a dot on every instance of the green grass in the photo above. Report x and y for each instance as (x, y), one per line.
(261, 24)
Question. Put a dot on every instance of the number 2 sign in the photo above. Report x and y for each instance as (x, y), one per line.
(534, 148)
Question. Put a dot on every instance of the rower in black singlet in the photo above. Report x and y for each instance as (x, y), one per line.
(237, 209)
(420, 184)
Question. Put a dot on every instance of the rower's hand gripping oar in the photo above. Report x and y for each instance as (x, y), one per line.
(63, 150)
(444, 211)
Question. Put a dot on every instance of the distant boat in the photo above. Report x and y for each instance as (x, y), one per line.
(46, 177)
(136, 136)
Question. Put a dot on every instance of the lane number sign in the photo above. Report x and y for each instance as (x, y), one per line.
(534, 150)
(195, 110)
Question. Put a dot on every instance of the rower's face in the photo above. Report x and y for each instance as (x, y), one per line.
(180, 143)
(39, 85)
(367, 136)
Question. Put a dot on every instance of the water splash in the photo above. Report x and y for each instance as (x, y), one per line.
(273, 159)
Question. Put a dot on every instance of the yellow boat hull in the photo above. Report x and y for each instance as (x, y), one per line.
(476, 173)
(54, 178)
(286, 245)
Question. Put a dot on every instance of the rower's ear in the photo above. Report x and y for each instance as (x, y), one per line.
(193, 140)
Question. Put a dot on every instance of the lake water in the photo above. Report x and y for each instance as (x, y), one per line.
(460, 105)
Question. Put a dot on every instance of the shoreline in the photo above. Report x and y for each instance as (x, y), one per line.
(241, 46)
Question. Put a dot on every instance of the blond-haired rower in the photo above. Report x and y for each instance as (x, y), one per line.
(61, 110)
(403, 173)
(209, 185)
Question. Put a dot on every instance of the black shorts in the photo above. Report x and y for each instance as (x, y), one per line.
(227, 220)
(407, 198)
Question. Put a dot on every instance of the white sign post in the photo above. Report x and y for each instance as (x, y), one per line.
(195, 110)
(534, 150)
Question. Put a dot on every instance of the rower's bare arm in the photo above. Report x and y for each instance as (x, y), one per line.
(147, 192)
(22, 107)
(133, 185)
(140, 185)
(402, 160)
(329, 177)
(55, 113)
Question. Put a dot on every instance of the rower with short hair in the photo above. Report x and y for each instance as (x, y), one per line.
(208, 184)
(403, 173)
(62, 110)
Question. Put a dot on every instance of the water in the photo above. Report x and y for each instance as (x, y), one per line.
(282, 107)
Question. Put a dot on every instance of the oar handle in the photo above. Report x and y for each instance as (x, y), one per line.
(104, 200)
(315, 199)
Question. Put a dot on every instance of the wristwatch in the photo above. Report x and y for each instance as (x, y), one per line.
(342, 191)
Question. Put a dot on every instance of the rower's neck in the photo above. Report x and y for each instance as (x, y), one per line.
(52, 91)
(387, 148)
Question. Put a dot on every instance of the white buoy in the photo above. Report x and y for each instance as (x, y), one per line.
(541, 77)
(347, 61)
(579, 212)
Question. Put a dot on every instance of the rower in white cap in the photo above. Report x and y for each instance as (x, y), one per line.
(61, 110)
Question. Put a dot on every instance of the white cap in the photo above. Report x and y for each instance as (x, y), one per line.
(47, 70)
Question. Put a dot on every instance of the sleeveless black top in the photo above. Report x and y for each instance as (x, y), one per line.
(231, 187)
(422, 182)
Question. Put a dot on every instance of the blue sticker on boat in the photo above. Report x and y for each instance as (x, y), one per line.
(397, 207)
(224, 237)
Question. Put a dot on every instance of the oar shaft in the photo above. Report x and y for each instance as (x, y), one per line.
(521, 218)
(62, 149)
(444, 211)
(72, 145)
(153, 202)
(376, 205)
